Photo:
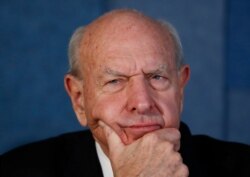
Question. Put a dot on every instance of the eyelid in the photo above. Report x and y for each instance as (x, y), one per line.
(157, 74)
(112, 80)
(113, 85)
(160, 83)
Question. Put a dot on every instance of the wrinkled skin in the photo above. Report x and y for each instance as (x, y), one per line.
(131, 95)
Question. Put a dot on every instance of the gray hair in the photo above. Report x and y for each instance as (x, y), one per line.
(179, 57)
(78, 35)
(73, 50)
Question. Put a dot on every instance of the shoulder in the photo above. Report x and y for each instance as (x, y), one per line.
(229, 158)
(206, 156)
(49, 146)
(205, 143)
(49, 156)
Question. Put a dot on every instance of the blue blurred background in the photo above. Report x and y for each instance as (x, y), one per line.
(33, 60)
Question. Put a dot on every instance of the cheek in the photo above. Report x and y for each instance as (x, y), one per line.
(108, 110)
(170, 107)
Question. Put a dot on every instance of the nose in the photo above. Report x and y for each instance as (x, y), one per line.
(140, 97)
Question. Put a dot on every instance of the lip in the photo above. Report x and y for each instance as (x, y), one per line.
(139, 130)
(144, 126)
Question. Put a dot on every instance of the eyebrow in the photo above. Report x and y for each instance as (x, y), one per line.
(162, 68)
(110, 71)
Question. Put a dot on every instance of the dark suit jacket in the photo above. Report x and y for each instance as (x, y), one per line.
(74, 155)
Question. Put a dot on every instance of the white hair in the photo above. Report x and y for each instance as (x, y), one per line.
(73, 50)
(179, 58)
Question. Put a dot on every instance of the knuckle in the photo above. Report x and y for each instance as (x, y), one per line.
(184, 170)
(151, 138)
(175, 131)
(168, 146)
(177, 158)
(178, 134)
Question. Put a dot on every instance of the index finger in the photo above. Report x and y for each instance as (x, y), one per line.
(113, 140)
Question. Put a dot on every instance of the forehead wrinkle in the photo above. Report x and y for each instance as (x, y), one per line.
(160, 69)
(113, 72)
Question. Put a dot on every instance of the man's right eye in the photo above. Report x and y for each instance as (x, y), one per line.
(114, 81)
(114, 85)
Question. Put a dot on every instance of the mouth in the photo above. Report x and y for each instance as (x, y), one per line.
(146, 127)
(139, 130)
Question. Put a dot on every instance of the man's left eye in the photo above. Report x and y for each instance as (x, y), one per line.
(159, 82)
(114, 81)
(157, 77)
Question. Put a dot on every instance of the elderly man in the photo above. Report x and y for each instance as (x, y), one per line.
(126, 83)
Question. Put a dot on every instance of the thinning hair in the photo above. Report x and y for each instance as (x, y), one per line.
(78, 35)
(179, 57)
(74, 50)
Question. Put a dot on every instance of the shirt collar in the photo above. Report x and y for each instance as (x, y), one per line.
(104, 161)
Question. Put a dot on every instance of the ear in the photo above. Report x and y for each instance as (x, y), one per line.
(74, 88)
(184, 75)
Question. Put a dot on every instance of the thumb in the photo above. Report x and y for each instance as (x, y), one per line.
(115, 143)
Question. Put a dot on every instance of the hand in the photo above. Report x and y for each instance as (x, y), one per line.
(155, 154)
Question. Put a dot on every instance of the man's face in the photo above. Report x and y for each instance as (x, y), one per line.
(131, 83)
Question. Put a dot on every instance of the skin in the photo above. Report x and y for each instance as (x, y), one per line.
(132, 93)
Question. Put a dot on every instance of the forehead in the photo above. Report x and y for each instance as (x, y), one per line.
(130, 60)
(127, 38)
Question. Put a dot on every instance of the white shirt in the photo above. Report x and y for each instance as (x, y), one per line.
(104, 161)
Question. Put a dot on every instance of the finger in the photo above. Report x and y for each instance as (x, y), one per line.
(171, 135)
(113, 140)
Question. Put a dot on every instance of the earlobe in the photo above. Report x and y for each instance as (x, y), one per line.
(74, 88)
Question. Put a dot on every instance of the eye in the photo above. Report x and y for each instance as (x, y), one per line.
(159, 82)
(113, 85)
(157, 77)
(114, 81)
